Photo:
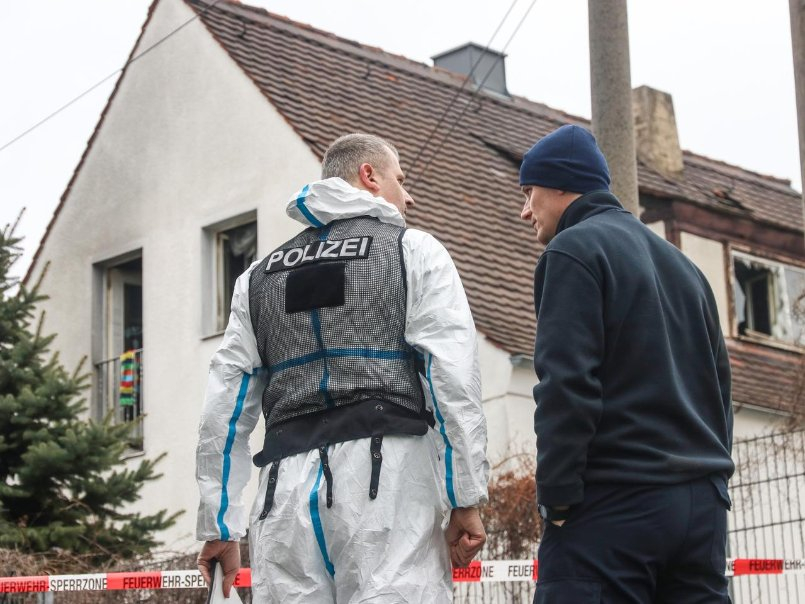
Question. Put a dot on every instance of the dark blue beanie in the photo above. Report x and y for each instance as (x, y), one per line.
(567, 159)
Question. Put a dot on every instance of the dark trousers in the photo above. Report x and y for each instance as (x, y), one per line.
(628, 544)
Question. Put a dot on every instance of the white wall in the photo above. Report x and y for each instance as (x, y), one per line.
(658, 227)
(508, 402)
(496, 369)
(708, 255)
(754, 421)
(187, 142)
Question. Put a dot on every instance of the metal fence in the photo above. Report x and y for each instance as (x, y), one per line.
(768, 514)
(767, 521)
(108, 379)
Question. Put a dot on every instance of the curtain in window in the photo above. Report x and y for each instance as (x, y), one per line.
(781, 321)
(243, 241)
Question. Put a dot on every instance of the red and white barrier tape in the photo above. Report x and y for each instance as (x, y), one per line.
(166, 579)
(526, 570)
(478, 571)
(755, 566)
(497, 570)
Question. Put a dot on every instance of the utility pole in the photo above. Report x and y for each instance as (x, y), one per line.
(798, 46)
(611, 88)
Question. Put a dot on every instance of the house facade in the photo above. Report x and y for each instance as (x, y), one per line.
(185, 179)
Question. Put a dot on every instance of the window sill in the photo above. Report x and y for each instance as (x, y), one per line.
(133, 454)
(770, 343)
(215, 334)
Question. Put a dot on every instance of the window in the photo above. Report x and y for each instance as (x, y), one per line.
(232, 247)
(119, 354)
(769, 299)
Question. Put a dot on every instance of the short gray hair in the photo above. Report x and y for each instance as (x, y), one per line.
(345, 156)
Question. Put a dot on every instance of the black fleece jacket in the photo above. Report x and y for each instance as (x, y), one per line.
(634, 375)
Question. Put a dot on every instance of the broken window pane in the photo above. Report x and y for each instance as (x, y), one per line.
(769, 299)
(754, 289)
(795, 288)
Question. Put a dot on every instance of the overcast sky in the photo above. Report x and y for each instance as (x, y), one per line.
(727, 64)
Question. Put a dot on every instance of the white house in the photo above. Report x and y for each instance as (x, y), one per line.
(185, 179)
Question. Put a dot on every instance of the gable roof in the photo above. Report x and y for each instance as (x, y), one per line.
(469, 198)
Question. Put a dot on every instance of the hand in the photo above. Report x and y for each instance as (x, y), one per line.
(465, 535)
(227, 553)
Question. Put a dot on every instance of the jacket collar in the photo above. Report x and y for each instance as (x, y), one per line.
(321, 202)
(589, 204)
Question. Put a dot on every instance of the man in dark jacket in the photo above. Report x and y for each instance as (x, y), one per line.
(633, 417)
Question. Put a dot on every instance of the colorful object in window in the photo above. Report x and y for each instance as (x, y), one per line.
(128, 369)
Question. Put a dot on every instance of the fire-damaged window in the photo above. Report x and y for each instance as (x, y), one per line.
(769, 299)
(235, 250)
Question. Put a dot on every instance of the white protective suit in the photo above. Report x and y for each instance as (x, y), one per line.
(390, 549)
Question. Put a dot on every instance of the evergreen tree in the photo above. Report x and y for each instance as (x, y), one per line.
(62, 480)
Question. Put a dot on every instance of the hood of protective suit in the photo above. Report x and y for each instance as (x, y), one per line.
(323, 201)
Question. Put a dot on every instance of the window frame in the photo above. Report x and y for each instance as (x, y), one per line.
(213, 302)
(773, 262)
(105, 358)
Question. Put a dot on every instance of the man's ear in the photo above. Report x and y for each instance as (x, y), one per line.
(367, 176)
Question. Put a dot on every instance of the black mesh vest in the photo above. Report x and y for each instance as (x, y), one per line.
(328, 312)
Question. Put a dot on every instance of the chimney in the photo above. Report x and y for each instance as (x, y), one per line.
(461, 59)
(655, 131)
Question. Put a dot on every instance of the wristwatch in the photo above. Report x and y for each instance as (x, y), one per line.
(550, 514)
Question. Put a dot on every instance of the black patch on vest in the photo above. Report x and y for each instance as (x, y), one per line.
(315, 286)
(329, 250)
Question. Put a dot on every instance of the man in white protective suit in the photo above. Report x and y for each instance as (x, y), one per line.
(356, 342)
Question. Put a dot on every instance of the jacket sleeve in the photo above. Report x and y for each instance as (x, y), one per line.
(568, 352)
(439, 326)
(230, 413)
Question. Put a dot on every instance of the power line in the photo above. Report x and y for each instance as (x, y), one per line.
(110, 76)
(461, 89)
(421, 175)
